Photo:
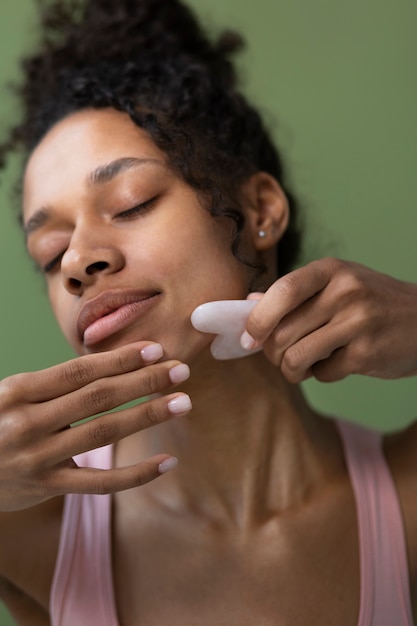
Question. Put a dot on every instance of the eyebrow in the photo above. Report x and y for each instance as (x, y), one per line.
(102, 174)
(37, 220)
(105, 173)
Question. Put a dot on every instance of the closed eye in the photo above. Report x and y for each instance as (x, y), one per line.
(139, 208)
(135, 210)
(50, 266)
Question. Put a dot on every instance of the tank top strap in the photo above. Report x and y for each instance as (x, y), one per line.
(384, 589)
(82, 589)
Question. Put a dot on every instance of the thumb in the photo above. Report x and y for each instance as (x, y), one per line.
(255, 295)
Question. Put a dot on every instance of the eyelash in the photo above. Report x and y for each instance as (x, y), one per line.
(50, 266)
(123, 214)
(137, 208)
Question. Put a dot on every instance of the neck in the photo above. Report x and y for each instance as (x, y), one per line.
(250, 446)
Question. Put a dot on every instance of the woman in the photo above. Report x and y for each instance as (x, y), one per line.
(151, 187)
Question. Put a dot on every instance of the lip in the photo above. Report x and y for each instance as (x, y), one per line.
(110, 312)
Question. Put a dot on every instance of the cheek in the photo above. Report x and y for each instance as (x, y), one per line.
(198, 260)
(61, 308)
(206, 243)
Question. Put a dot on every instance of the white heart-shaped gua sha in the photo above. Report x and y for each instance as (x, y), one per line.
(227, 320)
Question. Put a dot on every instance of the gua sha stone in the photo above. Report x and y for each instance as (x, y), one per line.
(227, 320)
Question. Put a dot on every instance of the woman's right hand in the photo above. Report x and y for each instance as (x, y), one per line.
(37, 442)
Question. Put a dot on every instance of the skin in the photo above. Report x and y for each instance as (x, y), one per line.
(260, 510)
(333, 318)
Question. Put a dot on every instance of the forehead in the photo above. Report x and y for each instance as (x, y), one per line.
(75, 147)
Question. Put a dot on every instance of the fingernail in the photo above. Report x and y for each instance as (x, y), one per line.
(180, 404)
(179, 373)
(247, 341)
(153, 352)
(255, 295)
(168, 465)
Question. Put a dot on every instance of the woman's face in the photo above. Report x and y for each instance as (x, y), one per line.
(127, 249)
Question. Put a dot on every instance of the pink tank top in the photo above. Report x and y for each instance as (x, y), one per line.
(82, 590)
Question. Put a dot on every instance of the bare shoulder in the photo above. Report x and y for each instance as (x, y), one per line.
(401, 451)
(28, 548)
(24, 609)
(401, 454)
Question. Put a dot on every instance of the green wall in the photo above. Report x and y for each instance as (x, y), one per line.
(337, 82)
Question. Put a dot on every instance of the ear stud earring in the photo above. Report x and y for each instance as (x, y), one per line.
(262, 234)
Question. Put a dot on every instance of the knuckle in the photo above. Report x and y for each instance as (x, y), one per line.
(365, 318)
(102, 432)
(11, 389)
(282, 334)
(143, 474)
(78, 372)
(274, 348)
(127, 359)
(46, 487)
(336, 271)
(331, 264)
(150, 381)
(353, 286)
(337, 265)
(256, 322)
(29, 464)
(273, 354)
(17, 428)
(359, 328)
(291, 286)
(350, 280)
(10, 428)
(140, 480)
(123, 362)
(292, 363)
(357, 357)
(102, 486)
(151, 415)
(98, 398)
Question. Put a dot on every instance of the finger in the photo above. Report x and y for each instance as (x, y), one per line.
(72, 375)
(335, 367)
(315, 347)
(307, 318)
(285, 295)
(97, 481)
(255, 295)
(354, 358)
(108, 393)
(112, 427)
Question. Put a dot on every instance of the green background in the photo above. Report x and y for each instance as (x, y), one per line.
(337, 83)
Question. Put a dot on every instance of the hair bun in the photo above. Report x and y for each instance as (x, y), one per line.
(84, 32)
(229, 43)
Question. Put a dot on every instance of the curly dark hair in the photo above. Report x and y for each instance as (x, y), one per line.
(153, 60)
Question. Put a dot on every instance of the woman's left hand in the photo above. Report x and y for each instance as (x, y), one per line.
(332, 318)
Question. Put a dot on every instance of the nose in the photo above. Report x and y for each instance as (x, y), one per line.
(84, 263)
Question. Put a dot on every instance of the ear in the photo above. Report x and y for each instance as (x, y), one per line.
(267, 210)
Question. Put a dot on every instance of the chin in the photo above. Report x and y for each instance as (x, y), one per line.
(185, 348)
(182, 346)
